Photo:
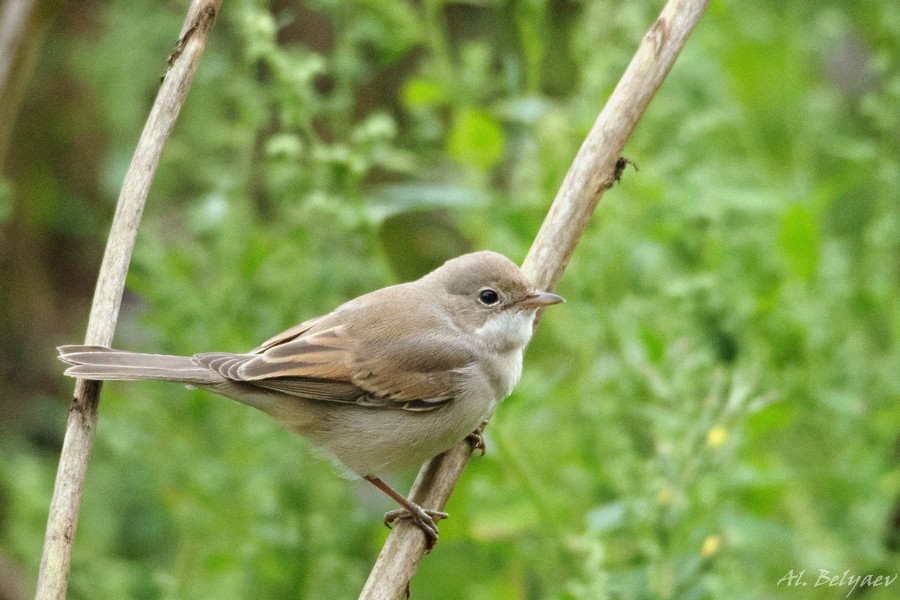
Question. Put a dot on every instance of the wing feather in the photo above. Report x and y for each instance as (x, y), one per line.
(319, 360)
(324, 365)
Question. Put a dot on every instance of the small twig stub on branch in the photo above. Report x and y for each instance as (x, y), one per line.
(621, 164)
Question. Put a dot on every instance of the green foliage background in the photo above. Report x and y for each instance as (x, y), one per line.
(715, 406)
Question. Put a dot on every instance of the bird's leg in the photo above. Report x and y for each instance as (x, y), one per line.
(476, 438)
(424, 518)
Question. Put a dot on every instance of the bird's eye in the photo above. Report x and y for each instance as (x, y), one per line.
(488, 297)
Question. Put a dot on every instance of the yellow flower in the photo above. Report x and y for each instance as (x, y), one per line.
(664, 496)
(711, 545)
(716, 436)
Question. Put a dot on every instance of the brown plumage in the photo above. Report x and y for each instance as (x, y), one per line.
(384, 381)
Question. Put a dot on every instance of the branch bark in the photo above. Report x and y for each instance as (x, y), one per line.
(593, 171)
(64, 506)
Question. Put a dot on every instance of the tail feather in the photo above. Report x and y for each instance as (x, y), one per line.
(101, 363)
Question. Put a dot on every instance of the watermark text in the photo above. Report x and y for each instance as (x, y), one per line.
(843, 580)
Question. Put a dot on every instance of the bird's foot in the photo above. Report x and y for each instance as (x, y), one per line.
(476, 438)
(424, 518)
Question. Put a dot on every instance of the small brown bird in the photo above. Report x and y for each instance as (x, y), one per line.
(385, 381)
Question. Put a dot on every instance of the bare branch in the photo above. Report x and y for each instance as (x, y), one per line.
(64, 506)
(593, 171)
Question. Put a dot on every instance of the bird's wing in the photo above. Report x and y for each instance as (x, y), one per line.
(326, 365)
(289, 334)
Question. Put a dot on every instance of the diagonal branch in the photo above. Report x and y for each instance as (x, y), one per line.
(595, 168)
(64, 506)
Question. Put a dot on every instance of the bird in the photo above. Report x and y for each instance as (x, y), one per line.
(385, 381)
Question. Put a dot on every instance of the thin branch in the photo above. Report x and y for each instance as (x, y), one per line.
(64, 506)
(593, 171)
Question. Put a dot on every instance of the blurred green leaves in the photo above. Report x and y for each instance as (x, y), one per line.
(5, 200)
(799, 240)
(716, 404)
(476, 140)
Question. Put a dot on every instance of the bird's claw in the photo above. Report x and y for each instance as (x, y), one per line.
(476, 439)
(424, 518)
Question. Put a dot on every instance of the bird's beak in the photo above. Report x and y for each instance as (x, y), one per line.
(538, 299)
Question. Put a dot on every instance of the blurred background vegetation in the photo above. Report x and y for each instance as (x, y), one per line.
(717, 404)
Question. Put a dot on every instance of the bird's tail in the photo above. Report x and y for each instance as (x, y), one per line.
(101, 363)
